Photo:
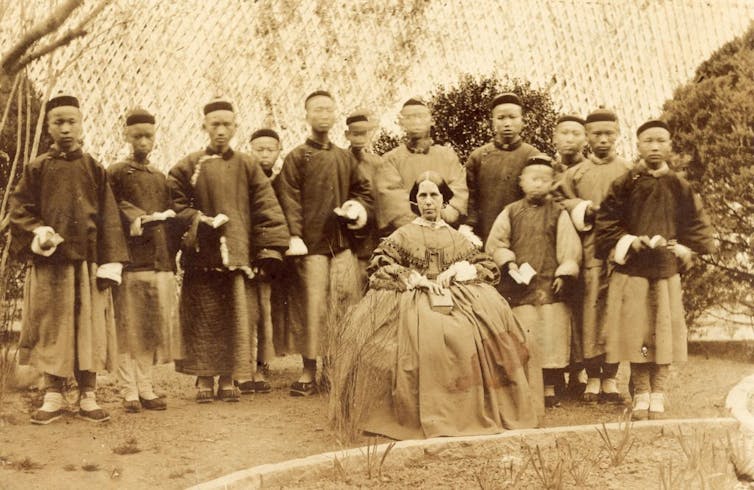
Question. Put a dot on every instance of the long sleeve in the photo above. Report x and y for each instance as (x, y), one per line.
(288, 187)
(472, 185)
(360, 189)
(182, 193)
(695, 230)
(610, 221)
(24, 210)
(456, 179)
(269, 227)
(392, 195)
(111, 240)
(385, 269)
(129, 211)
(567, 247)
(499, 241)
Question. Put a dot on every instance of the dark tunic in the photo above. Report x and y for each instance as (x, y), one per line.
(235, 185)
(140, 190)
(492, 173)
(639, 203)
(70, 193)
(367, 238)
(315, 180)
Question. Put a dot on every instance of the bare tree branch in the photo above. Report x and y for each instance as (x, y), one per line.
(38, 31)
(77, 32)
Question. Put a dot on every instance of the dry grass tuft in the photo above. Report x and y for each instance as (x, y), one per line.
(131, 446)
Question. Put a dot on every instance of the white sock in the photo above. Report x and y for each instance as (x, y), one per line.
(549, 390)
(88, 402)
(53, 402)
(609, 385)
(641, 401)
(657, 402)
(592, 386)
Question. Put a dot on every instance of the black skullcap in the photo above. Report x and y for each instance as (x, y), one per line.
(601, 114)
(139, 116)
(264, 132)
(538, 159)
(218, 105)
(570, 117)
(414, 101)
(61, 100)
(355, 119)
(317, 93)
(652, 123)
(506, 98)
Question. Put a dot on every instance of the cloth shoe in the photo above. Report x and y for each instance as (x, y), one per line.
(656, 406)
(89, 410)
(51, 409)
(610, 392)
(592, 391)
(153, 402)
(641, 407)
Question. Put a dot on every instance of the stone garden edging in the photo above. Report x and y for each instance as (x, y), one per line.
(738, 403)
(311, 467)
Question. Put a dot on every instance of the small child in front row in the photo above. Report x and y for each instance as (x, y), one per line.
(538, 231)
(648, 225)
(64, 219)
(145, 304)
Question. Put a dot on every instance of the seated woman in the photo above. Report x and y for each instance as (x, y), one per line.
(407, 363)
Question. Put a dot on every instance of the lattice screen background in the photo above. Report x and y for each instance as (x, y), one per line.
(266, 55)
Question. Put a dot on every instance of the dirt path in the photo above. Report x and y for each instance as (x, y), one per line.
(189, 444)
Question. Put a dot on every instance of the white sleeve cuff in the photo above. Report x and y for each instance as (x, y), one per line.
(577, 216)
(43, 233)
(567, 268)
(111, 270)
(136, 229)
(502, 256)
(360, 211)
(622, 248)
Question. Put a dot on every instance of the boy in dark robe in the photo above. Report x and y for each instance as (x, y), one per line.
(64, 219)
(492, 170)
(235, 233)
(324, 196)
(650, 225)
(145, 301)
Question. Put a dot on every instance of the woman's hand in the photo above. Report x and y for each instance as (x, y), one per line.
(445, 277)
(417, 280)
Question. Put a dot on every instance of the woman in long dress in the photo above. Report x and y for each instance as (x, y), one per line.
(410, 362)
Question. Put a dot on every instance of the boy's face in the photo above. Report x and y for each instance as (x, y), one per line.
(266, 149)
(569, 138)
(359, 138)
(320, 113)
(507, 121)
(601, 136)
(654, 146)
(141, 138)
(220, 126)
(64, 126)
(536, 181)
(416, 120)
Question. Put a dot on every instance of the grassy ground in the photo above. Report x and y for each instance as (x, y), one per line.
(189, 444)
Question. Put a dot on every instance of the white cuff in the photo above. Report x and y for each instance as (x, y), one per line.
(577, 216)
(296, 246)
(469, 234)
(352, 208)
(622, 248)
(111, 270)
(567, 268)
(502, 256)
(136, 229)
(45, 233)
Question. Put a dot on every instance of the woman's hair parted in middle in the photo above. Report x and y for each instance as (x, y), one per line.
(435, 178)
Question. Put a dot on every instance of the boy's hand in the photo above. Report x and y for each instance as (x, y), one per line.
(640, 243)
(558, 286)
(296, 247)
(590, 214)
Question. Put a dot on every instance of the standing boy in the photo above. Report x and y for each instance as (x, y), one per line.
(360, 128)
(405, 163)
(235, 233)
(583, 187)
(318, 178)
(650, 226)
(145, 301)
(493, 169)
(65, 220)
(537, 232)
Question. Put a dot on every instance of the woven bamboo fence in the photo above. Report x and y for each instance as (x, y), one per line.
(266, 55)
